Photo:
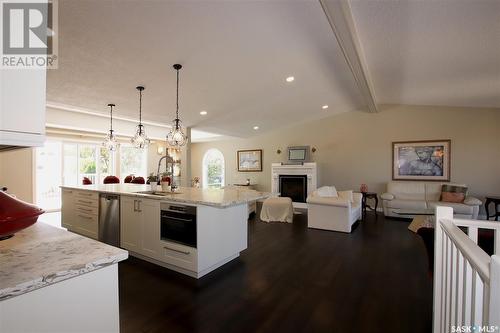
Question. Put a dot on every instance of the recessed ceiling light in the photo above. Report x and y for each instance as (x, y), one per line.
(203, 113)
(256, 127)
(324, 107)
(290, 79)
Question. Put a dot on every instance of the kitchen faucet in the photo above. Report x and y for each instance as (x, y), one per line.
(168, 159)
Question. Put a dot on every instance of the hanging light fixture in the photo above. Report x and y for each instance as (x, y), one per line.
(177, 136)
(110, 142)
(140, 139)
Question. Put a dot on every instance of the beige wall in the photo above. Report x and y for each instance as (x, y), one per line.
(355, 147)
(16, 172)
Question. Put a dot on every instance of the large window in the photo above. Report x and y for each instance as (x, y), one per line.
(213, 169)
(86, 160)
(133, 161)
(48, 168)
(66, 163)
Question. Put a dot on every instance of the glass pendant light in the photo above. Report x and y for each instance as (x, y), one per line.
(177, 136)
(140, 139)
(110, 142)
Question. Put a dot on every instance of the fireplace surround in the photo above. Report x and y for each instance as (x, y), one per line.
(299, 172)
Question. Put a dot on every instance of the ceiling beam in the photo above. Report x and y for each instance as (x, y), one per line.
(339, 15)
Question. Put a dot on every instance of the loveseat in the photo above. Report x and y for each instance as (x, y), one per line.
(328, 209)
(422, 196)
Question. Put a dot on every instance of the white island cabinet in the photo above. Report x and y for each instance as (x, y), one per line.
(221, 223)
(140, 225)
(80, 212)
(52, 280)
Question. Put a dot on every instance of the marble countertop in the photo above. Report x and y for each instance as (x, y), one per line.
(42, 255)
(208, 197)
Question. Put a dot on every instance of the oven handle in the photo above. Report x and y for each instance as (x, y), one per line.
(176, 218)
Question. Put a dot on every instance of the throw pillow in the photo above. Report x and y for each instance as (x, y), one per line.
(346, 195)
(453, 193)
(327, 192)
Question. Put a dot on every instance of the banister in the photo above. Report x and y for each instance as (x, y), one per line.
(478, 259)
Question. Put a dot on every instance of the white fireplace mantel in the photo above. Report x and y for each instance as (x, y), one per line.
(306, 169)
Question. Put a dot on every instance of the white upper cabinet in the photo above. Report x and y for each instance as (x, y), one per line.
(22, 107)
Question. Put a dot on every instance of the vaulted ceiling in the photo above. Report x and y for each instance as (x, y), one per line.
(237, 54)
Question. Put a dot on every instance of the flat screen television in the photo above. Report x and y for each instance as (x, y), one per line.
(298, 154)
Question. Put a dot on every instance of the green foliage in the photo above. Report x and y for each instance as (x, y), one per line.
(214, 174)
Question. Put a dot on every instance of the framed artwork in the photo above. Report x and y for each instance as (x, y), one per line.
(250, 160)
(421, 160)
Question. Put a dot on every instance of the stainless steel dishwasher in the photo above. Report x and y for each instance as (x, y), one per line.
(109, 219)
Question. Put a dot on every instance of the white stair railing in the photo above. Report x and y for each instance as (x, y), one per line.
(466, 279)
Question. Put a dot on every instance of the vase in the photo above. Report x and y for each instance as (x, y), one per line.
(363, 188)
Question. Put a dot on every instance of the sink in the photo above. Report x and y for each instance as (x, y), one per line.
(159, 193)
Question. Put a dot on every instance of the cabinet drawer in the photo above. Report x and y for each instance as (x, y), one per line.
(87, 210)
(179, 255)
(86, 202)
(87, 225)
(87, 195)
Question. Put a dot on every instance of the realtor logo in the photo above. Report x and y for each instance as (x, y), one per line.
(29, 38)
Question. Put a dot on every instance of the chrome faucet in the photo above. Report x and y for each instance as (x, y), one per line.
(169, 159)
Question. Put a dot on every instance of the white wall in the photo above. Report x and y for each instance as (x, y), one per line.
(355, 147)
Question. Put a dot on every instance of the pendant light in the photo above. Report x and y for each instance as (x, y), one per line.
(110, 142)
(177, 136)
(140, 139)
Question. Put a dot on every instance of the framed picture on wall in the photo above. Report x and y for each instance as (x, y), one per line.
(250, 160)
(421, 160)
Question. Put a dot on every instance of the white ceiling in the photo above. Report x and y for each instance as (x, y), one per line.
(236, 55)
(432, 52)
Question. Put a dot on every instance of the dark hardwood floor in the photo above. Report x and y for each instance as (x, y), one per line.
(291, 279)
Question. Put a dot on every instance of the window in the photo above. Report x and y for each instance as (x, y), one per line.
(213, 169)
(48, 176)
(86, 160)
(133, 161)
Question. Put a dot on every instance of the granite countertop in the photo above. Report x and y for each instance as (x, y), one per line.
(42, 255)
(208, 197)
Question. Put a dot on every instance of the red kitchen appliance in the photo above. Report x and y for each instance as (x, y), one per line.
(16, 215)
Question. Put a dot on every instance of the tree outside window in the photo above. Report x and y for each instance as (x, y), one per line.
(213, 169)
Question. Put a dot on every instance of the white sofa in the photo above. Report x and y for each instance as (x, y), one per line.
(335, 211)
(422, 196)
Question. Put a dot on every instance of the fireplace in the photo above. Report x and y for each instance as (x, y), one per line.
(293, 186)
(307, 171)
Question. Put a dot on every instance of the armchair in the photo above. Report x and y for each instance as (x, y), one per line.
(337, 213)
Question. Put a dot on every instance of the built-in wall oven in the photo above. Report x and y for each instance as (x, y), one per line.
(178, 224)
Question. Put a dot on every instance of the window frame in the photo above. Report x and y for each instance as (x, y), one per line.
(204, 167)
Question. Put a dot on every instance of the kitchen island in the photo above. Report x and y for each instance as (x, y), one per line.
(52, 280)
(192, 231)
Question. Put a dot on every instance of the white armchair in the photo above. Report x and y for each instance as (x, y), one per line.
(329, 210)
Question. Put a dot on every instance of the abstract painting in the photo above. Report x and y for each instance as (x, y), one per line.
(250, 160)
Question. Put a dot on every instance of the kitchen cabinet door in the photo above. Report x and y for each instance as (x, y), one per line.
(68, 215)
(130, 224)
(22, 107)
(150, 214)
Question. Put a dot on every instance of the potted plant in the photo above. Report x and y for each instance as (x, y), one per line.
(153, 181)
